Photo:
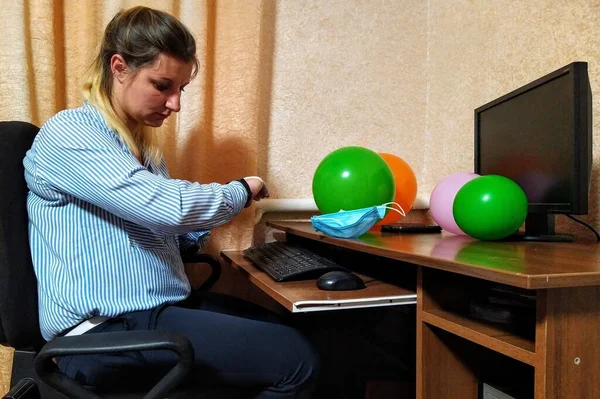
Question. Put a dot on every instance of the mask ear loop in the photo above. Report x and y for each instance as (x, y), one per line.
(401, 211)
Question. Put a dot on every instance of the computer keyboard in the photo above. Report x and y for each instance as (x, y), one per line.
(285, 261)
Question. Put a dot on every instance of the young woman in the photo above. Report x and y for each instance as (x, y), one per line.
(107, 225)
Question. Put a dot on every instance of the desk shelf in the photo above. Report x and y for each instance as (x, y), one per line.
(476, 350)
(446, 299)
(454, 367)
(484, 334)
(557, 333)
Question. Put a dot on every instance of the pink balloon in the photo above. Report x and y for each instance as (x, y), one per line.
(442, 199)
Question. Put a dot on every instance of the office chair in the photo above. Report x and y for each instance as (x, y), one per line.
(19, 326)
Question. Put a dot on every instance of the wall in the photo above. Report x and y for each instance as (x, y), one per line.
(345, 73)
(479, 50)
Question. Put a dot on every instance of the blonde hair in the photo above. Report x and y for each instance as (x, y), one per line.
(139, 35)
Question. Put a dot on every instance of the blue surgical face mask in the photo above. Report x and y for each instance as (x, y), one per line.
(351, 224)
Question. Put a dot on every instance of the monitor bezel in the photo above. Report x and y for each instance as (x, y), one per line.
(582, 136)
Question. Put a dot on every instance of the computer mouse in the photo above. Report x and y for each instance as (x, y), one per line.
(339, 281)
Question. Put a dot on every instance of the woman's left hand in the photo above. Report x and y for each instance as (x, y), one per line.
(258, 187)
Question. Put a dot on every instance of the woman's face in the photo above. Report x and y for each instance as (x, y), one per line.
(149, 95)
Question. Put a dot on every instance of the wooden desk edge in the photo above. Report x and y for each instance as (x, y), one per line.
(520, 280)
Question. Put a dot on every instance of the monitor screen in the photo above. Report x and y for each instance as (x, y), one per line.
(540, 137)
(528, 139)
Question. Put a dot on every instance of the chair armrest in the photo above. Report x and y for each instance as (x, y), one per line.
(113, 342)
(209, 260)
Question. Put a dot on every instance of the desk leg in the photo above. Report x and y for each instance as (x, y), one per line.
(568, 343)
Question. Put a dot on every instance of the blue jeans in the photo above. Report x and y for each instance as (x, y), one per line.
(236, 343)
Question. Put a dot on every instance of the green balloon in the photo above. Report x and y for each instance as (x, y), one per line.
(490, 207)
(352, 178)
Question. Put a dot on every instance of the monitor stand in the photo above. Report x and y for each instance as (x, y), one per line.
(540, 227)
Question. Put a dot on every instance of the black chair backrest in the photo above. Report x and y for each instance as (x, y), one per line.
(19, 325)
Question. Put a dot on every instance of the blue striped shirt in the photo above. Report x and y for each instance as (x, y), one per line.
(105, 231)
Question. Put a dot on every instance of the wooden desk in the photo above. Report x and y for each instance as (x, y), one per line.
(555, 353)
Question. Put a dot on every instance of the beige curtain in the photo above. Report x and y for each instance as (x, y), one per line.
(46, 47)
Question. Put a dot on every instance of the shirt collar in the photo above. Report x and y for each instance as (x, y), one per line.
(94, 112)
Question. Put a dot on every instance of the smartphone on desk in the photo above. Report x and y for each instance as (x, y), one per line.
(412, 228)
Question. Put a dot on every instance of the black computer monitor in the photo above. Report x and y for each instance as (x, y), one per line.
(540, 136)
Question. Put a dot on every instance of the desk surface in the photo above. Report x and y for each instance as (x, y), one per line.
(531, 265)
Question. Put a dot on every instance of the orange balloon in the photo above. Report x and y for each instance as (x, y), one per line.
(406, 187)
